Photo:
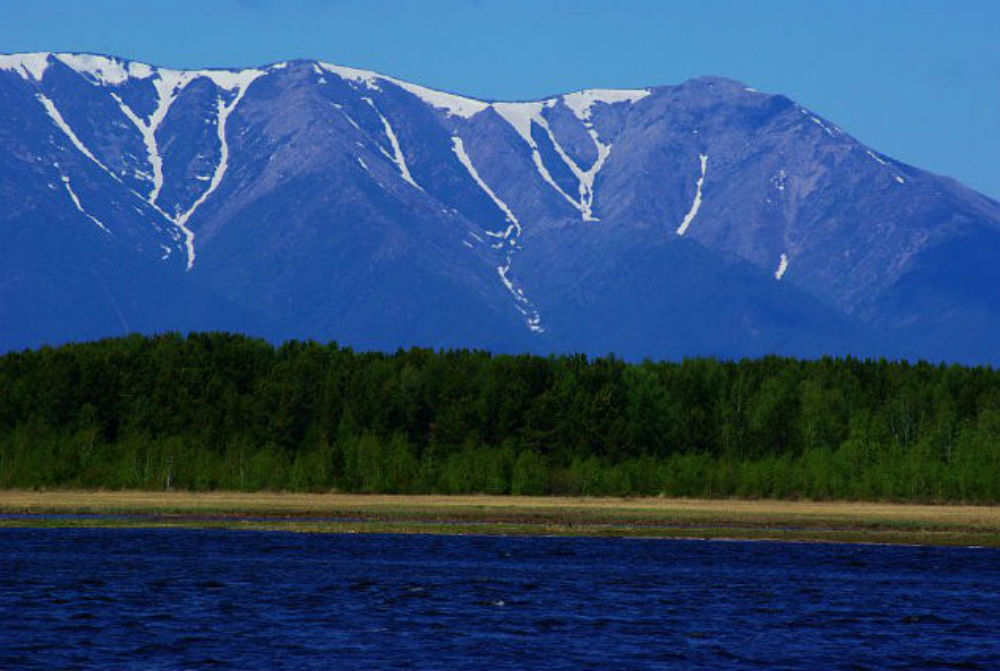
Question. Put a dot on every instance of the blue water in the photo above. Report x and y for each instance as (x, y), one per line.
(171, 599)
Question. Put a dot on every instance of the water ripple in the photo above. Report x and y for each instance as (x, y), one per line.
(174, 598)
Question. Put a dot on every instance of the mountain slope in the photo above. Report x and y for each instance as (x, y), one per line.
(304, 199)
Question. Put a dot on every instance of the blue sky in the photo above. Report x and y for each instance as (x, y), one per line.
(916, 79)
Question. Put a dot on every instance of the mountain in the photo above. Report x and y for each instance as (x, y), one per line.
(309, 200)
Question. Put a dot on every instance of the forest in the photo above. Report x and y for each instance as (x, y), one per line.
(220, 411)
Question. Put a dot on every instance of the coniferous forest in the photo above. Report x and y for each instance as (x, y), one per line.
(219, 411)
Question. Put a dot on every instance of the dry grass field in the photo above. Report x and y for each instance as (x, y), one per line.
(646, 517)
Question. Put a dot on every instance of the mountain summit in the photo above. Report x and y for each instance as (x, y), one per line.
(309, 200)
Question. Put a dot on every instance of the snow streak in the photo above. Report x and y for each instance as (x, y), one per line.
(782, 267)
(110, 72)
(521, 117)
(584, 177)
(397, 151)
(696, 204)
(54, 114)
(886, 164)
(168, 86)
(515, 226)
(241, 84)
(816, 120)
(510, 235)
(76, 201)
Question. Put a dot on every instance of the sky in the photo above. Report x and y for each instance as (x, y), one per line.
(918, 80)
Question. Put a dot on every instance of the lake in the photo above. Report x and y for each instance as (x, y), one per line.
(167, 599)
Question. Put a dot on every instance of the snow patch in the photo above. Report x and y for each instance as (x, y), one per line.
(520, 116)
(140, 70)
(99, 69)
(28, 66)
(696, 204)
(366, 77)
(778, 180)
(782, 267)
(581, 102)
(231, 80)
(452, 104)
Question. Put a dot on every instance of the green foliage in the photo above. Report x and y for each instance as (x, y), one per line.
(219, 411)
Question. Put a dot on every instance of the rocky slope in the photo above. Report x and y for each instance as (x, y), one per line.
(308, 200)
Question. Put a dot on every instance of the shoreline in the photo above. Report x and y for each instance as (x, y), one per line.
(707, 519)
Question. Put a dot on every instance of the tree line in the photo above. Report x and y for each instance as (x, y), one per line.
(222, 411)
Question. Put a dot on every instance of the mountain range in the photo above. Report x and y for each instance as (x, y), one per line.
(308, 200)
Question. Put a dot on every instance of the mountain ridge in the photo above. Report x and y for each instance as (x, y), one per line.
(334, 202)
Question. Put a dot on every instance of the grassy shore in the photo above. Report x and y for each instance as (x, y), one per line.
(647, 517)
